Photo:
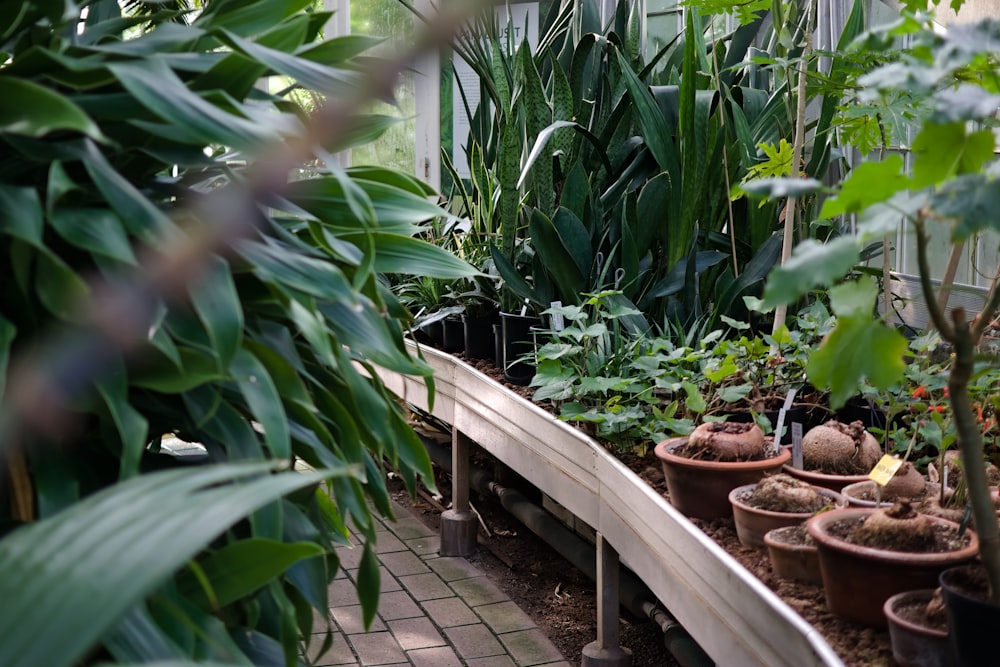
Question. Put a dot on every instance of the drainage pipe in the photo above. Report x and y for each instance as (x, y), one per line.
(634, 595)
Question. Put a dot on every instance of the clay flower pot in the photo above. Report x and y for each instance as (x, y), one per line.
(862, 494)
(752, 523)
(827, 481)
(791, 559)
(914, 644)
(700, 488)
(858, 580)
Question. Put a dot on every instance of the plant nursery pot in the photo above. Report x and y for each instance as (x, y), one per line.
(832, 482)
(701, 489)
(913, 644)
(862, 494)
(454, 335)
(435, 333)
(972, 621)
(498, 345)
(791, 560)
(517, 341)
(857, 580)
(752, 523)
(480, 342)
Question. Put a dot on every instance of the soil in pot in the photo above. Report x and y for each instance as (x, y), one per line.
(774, 502)
(793, 554)
(868, 555)
(918, 629)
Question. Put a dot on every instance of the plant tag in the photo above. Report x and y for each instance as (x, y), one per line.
(779, 428)
(558, 323)
(797, 445)
(885, 469)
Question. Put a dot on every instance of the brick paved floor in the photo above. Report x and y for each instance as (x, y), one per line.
(433, 611)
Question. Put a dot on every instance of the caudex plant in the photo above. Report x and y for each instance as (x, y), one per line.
(951, 81)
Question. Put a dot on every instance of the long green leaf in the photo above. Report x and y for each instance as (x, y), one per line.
(33, 110)
(147, 527)
(264, 400)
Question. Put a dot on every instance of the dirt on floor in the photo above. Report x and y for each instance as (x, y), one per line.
(562, 600)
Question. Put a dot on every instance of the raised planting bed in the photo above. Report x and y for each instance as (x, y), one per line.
(735, 618)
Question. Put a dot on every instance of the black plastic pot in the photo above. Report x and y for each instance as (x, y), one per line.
(971, 621)
(518, 340)
(479, 337)
(498, 345)
(454, 335)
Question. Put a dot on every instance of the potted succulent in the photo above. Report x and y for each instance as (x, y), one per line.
(918, 629)
(867, 555)
(702, 468)
(835, 454)
(777, 501)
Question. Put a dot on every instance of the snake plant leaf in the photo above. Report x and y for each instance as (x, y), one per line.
(653, 125)
(164, 519)
(560, 253)
(32, 110)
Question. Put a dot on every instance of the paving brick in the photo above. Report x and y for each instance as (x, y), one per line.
(530, 647)
(413, 633)
(385, 542)
(387, 582)
(449, 612)
(474, 641)
(350, 557)
(402, 563)
(426, 586)
(408, 527)
(351, 621)
(477, 591)
(505, 617)
(452, 569)
(425, 546)
(392, 606)
(341, 592)
(440, 656)
(492, 661)
(377, 648)
(339, 652)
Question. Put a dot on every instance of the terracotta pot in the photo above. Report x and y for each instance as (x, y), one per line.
(752, 523)
(867, 487)
(915, 645)
(701, 489)
(858, 580)
(972, 621)
(832, 482)
(792, 561)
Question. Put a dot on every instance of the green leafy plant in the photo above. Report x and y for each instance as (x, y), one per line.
(182, 257)
(952, 183)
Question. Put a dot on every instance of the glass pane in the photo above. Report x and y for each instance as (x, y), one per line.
(654, 6)
(395, 148)
(987, 259)
(660, 31)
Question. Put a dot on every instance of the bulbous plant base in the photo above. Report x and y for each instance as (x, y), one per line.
(858, 580)
(915, 645)
(701, 488)
(973, 622)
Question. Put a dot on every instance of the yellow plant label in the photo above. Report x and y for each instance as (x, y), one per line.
(885, 469)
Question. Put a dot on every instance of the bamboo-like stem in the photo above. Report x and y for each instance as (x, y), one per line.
(944, 291)
(970, 441)
(781, 311)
